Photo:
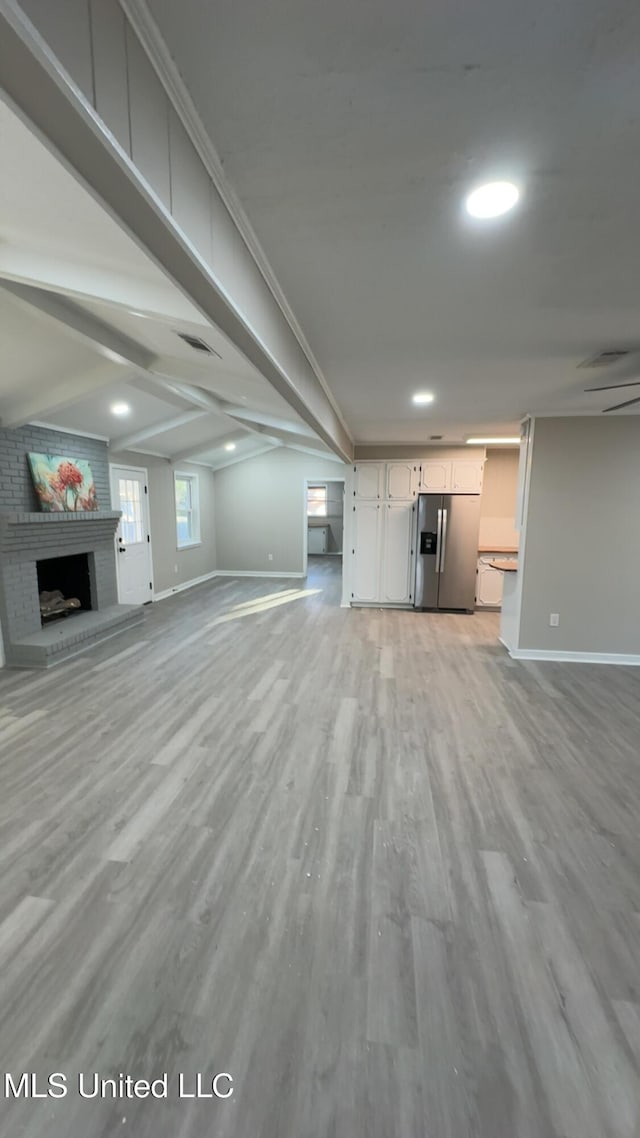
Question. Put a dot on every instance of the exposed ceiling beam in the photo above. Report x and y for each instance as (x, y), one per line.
(38, 86)
(126, 442)
(63, 274)
(81, 325)
(205, 448)
(60, 393)
(200, 398)
(291, 439)
(231, 460)
(326, 454)
(196, 396)
(150, 384)
(245, 414)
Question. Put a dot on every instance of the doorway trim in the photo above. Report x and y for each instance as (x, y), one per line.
(114, 466)
(305, 537)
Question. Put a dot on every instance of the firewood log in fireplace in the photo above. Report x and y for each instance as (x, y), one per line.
(54, 602)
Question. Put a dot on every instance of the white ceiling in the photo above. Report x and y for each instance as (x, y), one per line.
(352, 131)
(87, 319)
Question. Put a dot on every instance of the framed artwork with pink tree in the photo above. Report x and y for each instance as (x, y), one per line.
(62, 484)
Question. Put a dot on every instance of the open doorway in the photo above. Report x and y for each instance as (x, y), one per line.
(324, 524)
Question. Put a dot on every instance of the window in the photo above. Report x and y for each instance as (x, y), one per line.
(131, 527)
(187, 509)
(317, 501)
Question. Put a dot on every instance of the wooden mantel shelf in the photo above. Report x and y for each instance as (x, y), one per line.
(54, 516)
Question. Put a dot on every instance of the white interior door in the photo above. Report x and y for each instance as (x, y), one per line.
(133, 539)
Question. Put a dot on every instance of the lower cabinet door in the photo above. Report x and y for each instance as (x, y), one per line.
(397, 560)
(366, 551)
(489, 583)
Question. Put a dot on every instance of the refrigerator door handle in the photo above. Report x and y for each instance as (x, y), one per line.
(444, 539)
(438, 541)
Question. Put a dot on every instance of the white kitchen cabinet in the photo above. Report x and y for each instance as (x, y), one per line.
(446, 477)
(317, 539)
(466, 477)
(365, 578)
(369, 480)
(397, 547)
(489, 583)
(402, 480)
(435, 476)
(382, 553)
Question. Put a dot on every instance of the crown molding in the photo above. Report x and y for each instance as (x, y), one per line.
(139, 16)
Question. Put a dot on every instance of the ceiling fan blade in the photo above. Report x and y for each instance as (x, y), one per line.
(612, 386)
(617, 406)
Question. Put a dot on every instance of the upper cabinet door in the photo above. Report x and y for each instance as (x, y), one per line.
(436, 476)
(402, 480)
(368, 480)
(466, 477)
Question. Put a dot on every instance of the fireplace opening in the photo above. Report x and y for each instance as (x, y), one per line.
(64, 586)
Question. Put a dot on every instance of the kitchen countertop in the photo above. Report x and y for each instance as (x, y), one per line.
(504, 566)
(497, 549)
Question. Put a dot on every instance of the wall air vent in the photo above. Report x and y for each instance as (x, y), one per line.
(604, 359)
(436, 438)
(198, 345)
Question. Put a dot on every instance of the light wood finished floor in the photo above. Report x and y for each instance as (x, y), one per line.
(386, 877)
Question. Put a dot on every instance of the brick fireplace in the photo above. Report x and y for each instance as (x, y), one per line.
(28, 540)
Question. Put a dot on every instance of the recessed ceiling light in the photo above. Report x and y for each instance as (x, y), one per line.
(229, 446)
(120, 408)
(422, 397)
(494, 442)
(493, 199)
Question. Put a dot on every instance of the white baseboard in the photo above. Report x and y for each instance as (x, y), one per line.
(162, 596)
(254, 573)
(560, 657)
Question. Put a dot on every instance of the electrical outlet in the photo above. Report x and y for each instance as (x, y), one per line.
(175, 568)
(270, 556)
(554, 619)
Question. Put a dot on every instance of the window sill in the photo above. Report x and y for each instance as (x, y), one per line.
(188, 545)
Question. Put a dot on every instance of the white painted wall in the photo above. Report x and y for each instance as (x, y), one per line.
(498, 501)
(261, 509)
(582, 548)
(192, 563)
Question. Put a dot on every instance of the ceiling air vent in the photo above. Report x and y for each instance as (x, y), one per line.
(198, 345)
(604, 359)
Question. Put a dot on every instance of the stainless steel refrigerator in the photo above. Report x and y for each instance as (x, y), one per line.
(447, 551)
